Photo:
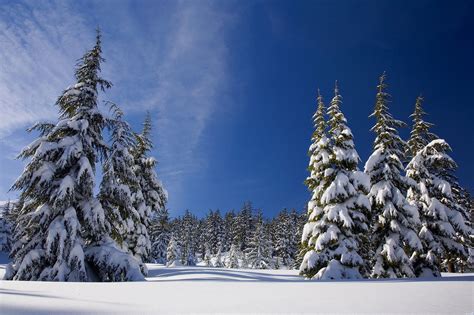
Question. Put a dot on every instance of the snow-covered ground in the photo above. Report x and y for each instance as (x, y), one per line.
(216, 290)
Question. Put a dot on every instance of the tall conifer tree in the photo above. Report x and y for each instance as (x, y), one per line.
(445, 231)
(340, 216)
(259, 250)
(395, 221)
(151, 197)
(420, 134)
(63, 225)
(160, 233)
(319, 152)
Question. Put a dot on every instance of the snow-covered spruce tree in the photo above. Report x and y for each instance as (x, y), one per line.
(218, 262)
(151, 197)
(444, 225)
(228, 235)
(160, 233)
(188, 239)
(259, 249)
(395, 221)
(420, 137)
(63, 224)
(6, 228)
(200, 243)
(301, 220)
(319, 153)
(213, 233)
(337, 215)
(281, 236)
(420, 134)
(285, 237)
(173, 253)
(189, 257)
(233, 259)
(243, 227)
(295, 232)
(207, 256)
(465, 204)
(118, 186)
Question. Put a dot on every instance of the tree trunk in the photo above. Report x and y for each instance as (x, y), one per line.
(450, 266)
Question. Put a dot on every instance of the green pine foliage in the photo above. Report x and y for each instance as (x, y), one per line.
(338, 215)
(61, 225)
(151, 197)
(445, 230)
(395, 221)
(420, 134)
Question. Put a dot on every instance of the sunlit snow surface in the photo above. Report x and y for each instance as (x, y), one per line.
(217, 290)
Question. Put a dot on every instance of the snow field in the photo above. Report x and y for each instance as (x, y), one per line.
(218, 290)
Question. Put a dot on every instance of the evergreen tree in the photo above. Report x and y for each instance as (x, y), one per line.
(173, 253)
(63, 225)
(285, 237)
(5, 228)
(188, 239)
(259, 250)
(214, 232)
(218, 262)
(243, 227)
(420, 134)
(294, 239)
(160, 233)
(301, 247)
(151, 197)
(395, 221)
(207, 256)
(465, 204)
(337, 214)
(190, 258)
(118, 186)
(228, 234)
(319, 152)
(234, 255)
(444, 225)
(200, 241)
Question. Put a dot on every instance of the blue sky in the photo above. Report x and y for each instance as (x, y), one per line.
(231, 84)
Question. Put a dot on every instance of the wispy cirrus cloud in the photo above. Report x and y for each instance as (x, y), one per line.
(38, 47)
(190, 80)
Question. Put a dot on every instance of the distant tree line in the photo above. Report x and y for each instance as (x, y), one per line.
(235, 240)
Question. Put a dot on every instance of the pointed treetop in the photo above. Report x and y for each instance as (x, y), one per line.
(382, 84)
(83, 94)
(386, 126)
(98, 34)
(88, 66)
(147, 126)
(319, 119)
(420, 134)
(334, 110)
(143, 139)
